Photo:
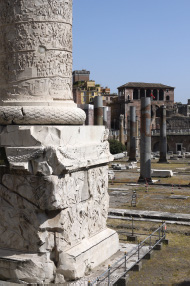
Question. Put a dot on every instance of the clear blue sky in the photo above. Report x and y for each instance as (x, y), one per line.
(120, 41)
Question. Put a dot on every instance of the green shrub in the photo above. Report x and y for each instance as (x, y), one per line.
(116, 147)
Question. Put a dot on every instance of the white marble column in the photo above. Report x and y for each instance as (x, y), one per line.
(36, 63)
(54, 178)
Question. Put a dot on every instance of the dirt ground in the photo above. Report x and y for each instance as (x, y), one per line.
(171, 265)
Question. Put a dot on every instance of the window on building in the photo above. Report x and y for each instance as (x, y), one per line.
(148, 93)
(161, 94)
(167, 90)
(142, 92)
(135, 93)
(155, 94)
(179, 147)
(167, 97)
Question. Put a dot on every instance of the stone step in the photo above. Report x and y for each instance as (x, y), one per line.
(150, 214)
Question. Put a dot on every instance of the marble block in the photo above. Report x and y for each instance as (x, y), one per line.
(53, 202)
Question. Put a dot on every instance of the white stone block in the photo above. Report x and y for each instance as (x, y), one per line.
(161, 173)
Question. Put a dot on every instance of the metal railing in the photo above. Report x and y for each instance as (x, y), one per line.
(109, 277)
(172, 131)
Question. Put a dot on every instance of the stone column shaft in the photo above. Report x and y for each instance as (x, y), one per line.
(145, 143)
(98, 110)
(132, 154)
(163, 135)
(121, 129)
(36, 63)
(105, 116)
(128, 134)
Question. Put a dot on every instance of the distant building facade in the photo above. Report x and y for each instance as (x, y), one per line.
(84, 89)
(80, 75)
(130, 94)
(178, 129)
(84, 92)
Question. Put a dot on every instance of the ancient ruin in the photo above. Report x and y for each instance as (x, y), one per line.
(133, 127)
(54, 177)
(145, 141)
(121, 129)
(163, 135)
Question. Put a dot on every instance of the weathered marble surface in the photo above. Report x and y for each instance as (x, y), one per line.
(36, 49)
(54, 201)
(36, 63)
(45, 149)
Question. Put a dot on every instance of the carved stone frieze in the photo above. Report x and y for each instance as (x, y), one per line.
(38, 10)
(32, 35)
(36, 61)
(54, 201)
(51, 153)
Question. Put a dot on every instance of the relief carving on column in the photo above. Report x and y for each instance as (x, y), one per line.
(36, 60)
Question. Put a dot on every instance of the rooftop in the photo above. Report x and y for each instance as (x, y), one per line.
(145, 85)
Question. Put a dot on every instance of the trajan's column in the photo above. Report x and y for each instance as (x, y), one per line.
(53, 170)
(36, 63)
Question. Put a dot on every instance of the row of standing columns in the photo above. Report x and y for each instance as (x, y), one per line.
(100, 118)
(145, 138)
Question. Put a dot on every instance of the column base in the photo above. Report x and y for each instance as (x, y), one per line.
(163, 161)
(132, 160)
(36, 114)
(144, 180)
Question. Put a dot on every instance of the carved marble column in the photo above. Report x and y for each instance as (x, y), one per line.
(36, 63)
(53, 171)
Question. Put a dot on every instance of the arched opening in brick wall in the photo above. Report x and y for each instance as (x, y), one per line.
(155, 94)
(161, 94)
(142, 92)
(148, 93)
(135, 93)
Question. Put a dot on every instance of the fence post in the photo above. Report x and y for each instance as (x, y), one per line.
(109, 275)
(150, 240)
(132, 227)
(138, 250)
(162, 229)
(125, 263)
(159, 232)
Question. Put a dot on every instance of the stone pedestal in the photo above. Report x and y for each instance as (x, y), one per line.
(53, 202)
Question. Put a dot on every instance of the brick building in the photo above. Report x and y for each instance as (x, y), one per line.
(130, 94)
(81, 75)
